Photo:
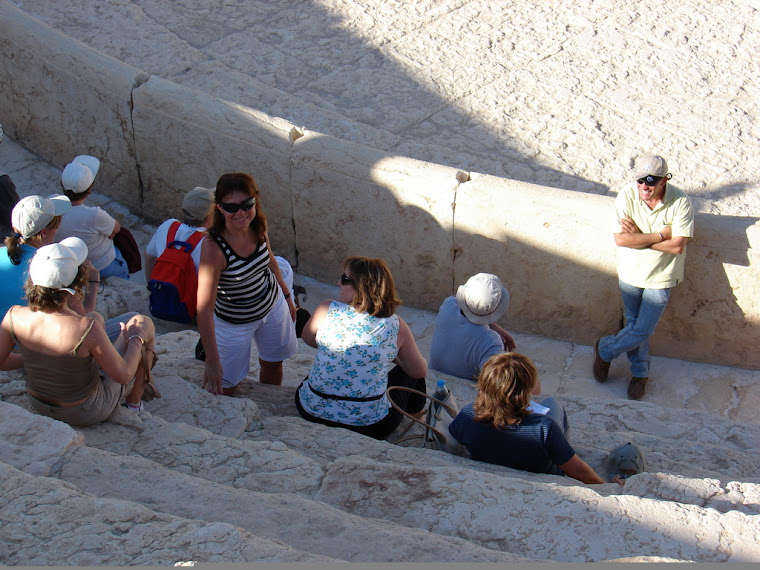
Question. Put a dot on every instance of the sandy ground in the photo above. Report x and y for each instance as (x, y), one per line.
(560, 92)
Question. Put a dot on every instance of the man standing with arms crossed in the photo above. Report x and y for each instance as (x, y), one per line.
(654, 222)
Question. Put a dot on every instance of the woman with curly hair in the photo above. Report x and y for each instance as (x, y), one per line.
(504, 427)
(363, 347)
(73, 372)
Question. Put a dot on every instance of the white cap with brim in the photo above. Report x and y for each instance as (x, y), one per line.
(32, 214)
(197, 203)
(650, 165)
(79, 175)
(483, 299)
(56, 265)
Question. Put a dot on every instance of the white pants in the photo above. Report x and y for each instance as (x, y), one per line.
(275, 336)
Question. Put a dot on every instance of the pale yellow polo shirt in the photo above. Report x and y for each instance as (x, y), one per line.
(647, 268)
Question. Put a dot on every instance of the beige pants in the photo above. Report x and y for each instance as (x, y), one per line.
(97, 408)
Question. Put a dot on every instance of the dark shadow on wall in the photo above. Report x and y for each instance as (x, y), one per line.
(557, 259)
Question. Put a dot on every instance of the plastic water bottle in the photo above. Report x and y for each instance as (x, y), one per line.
(440, 394)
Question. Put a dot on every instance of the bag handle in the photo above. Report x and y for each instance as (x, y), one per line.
(434, 401)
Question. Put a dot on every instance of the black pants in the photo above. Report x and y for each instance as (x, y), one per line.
(411, 403)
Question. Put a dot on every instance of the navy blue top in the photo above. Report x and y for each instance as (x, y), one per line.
(536, 444)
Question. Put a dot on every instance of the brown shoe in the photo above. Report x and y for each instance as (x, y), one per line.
(601, 368)
(637, 387)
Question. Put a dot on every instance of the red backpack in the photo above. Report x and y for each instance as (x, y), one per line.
(173, 282)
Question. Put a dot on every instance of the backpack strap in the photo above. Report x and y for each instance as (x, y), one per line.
(172, 232)
(188, 245)
(194, 239)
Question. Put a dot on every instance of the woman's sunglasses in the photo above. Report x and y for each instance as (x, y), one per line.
(345, 279)
(245, 206)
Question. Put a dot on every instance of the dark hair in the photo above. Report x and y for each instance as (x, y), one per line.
(374, 288)
(188, 221)
(238, 182)
(13, 242)
(74, 196)
(504, 388)
(47, 299)
(8, 198)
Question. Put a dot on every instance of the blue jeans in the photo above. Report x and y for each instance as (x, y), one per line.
(643, 309)
(557, 413)
(117, 268)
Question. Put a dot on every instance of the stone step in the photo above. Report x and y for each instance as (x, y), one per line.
(374, 479)
(541, 521)
(404, 494)
(217, 460)
(301, 523)
(304, 524)
(48, 522)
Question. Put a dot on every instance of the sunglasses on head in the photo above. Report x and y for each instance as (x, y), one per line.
(245, 206)
(650, 180)
(345, 279)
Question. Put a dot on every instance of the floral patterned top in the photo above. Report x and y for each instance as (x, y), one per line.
(355, 353)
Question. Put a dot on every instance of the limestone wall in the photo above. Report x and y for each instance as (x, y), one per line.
(326, 198)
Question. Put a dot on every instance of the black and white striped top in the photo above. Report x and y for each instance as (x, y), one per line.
(247, 288)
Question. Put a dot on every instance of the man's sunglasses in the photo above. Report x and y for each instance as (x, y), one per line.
(650, 180)
(245, 206)
(345, 279)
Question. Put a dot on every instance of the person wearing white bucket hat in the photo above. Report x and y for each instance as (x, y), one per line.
(35, 222)
(73, 372)
(466, 334)
(92, 224)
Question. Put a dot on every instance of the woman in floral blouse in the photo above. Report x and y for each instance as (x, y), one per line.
(363, 347)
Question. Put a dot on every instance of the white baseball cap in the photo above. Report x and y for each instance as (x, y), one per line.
(650, 165)
(32, 214)
(197, 203)
(79, 175)
(56, 265)
(483, 299)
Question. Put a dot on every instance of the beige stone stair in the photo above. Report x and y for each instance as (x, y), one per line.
(212, 478)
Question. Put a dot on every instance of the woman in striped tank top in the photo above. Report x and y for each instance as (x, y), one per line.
(242, 295)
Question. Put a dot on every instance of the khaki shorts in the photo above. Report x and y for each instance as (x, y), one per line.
(97, 408)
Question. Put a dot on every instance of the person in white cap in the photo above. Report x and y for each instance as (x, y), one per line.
(466, 333)
(92, 224)
(35, 222)
(73, 372)
(653, 223)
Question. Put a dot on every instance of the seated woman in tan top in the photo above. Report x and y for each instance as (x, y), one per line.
(73, 371)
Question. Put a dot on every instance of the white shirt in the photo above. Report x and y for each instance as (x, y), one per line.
(93, 225)
(157, 243)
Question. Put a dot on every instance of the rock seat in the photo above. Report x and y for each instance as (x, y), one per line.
(247, 479)
(260, 483)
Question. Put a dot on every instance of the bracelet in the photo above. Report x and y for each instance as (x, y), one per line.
(288, 295)
(661, 238)
(136, 336)
(93, 282)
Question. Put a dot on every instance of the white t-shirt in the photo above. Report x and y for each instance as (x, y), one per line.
(157, 243)
(93, 225)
